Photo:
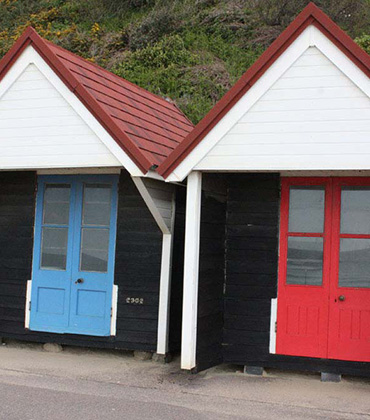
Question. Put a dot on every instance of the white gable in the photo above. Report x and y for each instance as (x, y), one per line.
(309, 111)
(44, 125)
(313, 117)
(39, 128)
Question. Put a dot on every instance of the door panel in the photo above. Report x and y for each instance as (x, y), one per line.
(93, 261)
(51, 265)
(302, 326)
(74, 254)
(349, 334)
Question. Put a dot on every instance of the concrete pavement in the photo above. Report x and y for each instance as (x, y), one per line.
(80, 384)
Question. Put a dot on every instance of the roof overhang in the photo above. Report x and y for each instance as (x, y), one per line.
(311, 28)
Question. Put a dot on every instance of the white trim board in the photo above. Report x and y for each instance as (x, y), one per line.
(164, 294)
(113, 319)
(310, 37)
(28, 304)
(82, 171)
(273, 324)
(30, 56)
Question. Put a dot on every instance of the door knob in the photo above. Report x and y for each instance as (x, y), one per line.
(342, 298)
(79, 281)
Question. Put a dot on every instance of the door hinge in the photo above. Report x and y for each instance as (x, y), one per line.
(29, 306)
(111, 312)
(275, 326)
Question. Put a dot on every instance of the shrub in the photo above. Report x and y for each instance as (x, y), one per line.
(364, 42)
(158, 23)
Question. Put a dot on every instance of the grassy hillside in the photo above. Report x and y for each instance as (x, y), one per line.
(191, 51)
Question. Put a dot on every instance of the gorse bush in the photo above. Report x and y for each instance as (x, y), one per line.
(191, 51)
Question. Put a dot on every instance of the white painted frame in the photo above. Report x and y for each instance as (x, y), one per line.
(166, 263)
(310, 37)
(30, 56)
(113, 315)
(191, 271)
(28, 305)
(273, 325)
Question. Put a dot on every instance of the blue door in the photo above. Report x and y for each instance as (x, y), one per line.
(73, 263)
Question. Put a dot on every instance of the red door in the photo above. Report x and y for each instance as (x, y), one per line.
(324, 269)
(349, 323)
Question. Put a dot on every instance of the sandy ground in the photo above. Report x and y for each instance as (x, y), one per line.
(83, 384)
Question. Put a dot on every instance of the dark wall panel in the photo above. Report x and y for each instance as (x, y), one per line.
(251, 262)
(137, 267)
(177, 272)
(211, 272)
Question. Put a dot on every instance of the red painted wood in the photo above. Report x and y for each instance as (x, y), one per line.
(349, 327)
(303, 310)
(312, 321)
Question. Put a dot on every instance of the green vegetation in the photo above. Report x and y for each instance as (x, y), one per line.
(191, 51)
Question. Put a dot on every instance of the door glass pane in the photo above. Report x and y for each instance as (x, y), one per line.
(54, 248)
(355, 210)
(306, 209)
(96, 205)
(94, 249)
(305, 257)
(56, 204)
(354, 263)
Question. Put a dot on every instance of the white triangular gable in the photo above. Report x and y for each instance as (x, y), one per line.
(44, 125)
(309, 111)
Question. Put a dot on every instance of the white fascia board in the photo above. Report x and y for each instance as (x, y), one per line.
(340, 60)
(31, 56)
(310, 37)
(110, 170)
(154, 175)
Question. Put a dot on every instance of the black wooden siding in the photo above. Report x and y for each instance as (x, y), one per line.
(251, 252)
(177, 272)
(211, 273)
(251, 264)
(137, 266)
(17, 203)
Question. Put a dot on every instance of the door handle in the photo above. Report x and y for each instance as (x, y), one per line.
(79, 281)
(342, 298)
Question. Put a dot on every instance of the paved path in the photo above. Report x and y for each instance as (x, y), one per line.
(99, 385)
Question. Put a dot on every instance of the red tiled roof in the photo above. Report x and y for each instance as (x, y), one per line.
(311, 15)
(146, 126)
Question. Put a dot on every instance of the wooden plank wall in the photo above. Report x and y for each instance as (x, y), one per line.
(177, 272)
(252, 229)
(251, 263)
(211, 272)
(45, 129)
(137, 267)
(17, 208)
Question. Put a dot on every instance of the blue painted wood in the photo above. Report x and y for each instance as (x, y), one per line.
(59, 304)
